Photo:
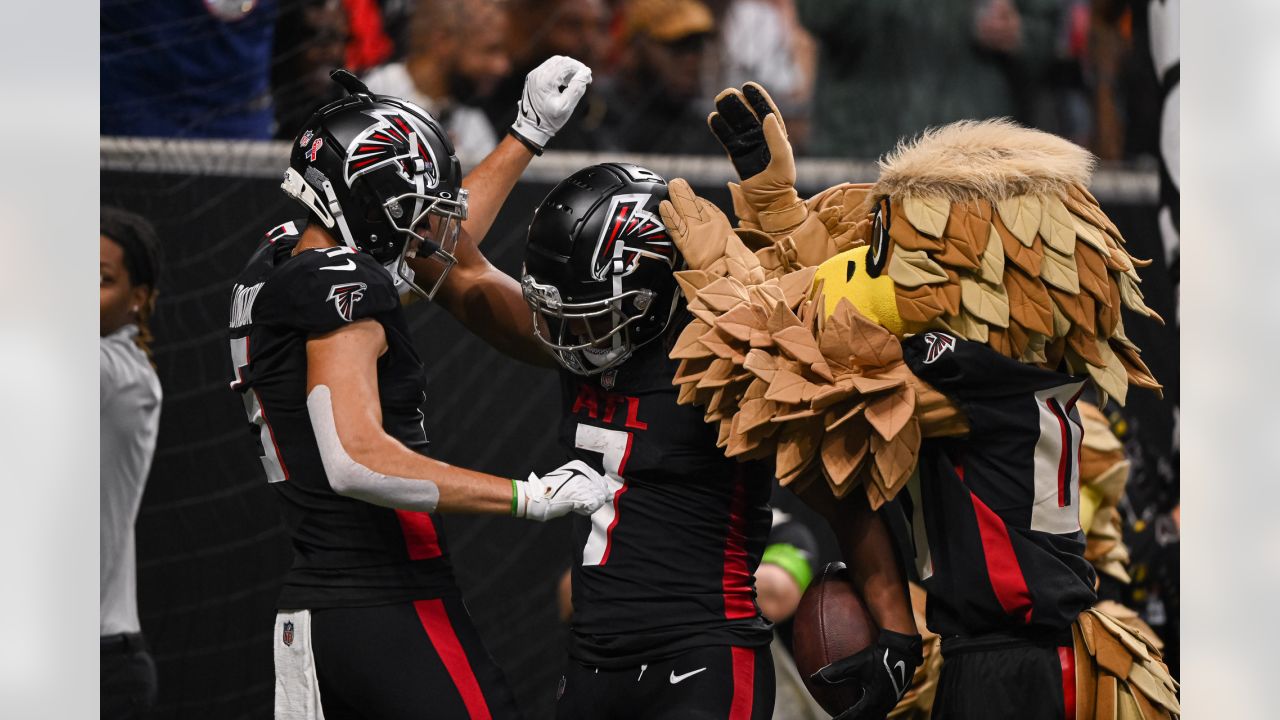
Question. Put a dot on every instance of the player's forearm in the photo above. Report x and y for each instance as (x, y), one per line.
(490, 182)
(491, 305)
(874, 567)
(363, 462)
(469, 491)
(459, 490)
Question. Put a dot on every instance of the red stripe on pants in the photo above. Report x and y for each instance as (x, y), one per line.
(1007, 581)
(1067, 657)
(744, 683)
(419, 534)
(435, 620)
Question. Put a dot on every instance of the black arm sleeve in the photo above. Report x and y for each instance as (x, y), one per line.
(968, 371)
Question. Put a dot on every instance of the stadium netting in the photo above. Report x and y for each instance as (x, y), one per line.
(211, 546)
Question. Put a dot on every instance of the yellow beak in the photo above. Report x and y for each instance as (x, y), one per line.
(845, 277)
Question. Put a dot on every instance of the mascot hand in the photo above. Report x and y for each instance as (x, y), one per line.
(698, 228)
(749, 126)
(883, 671)
(704, 236)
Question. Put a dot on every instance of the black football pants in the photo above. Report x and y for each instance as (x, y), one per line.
(710, 683)
(409, 660)
(1001, 678)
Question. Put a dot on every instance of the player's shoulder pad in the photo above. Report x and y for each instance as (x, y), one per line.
(327, 288)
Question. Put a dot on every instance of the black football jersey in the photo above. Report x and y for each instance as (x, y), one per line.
(346, 552)
(995, 515)
(669, 564)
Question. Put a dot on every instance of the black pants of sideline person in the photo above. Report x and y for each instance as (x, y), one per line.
(128, 678)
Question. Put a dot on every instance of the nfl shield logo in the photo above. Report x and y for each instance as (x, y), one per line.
(287, 636)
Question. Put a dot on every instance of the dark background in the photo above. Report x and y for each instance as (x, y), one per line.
(211, 547)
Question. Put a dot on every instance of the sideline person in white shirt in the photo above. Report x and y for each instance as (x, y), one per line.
(130, 405)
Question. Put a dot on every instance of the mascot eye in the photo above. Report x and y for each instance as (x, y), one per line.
(849, 270)
(879, 241)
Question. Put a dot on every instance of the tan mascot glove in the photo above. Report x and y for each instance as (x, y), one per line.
(749, 126)
(705, 238)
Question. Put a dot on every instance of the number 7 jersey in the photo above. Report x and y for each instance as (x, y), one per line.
(668, 564)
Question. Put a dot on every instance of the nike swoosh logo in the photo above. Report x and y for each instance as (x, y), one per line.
(351, 265)
(526, 105)
(901, 667)
(679, 678)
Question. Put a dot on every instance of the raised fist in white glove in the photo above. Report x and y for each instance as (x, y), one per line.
(572, 487)
(551, 92)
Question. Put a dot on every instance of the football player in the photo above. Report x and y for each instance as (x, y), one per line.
(665, 621)
(370, 622)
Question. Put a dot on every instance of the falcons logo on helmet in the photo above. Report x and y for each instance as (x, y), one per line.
(938, 344)
(345, 296)
(394, 142)
(630, 233)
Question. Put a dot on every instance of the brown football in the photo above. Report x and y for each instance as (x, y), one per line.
(831, 623)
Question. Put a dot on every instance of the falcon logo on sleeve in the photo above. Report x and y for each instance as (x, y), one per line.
(630, 233)
(938, 344)
(345, 296)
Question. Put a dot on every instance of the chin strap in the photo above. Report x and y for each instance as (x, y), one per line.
(328, 209)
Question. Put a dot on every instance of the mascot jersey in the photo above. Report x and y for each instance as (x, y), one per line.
(347, 553)
(996, 514)
(668, 564)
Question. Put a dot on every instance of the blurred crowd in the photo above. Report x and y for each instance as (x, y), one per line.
(851, 76)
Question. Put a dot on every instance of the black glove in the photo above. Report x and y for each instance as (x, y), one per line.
(739, 130)
(883, 671)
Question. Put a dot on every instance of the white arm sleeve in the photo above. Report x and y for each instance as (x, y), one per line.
(350, 478)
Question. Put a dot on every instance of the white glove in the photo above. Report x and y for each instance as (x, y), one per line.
(574, 486)
(551, 92)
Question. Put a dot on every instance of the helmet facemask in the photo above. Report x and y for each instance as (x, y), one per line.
(586, 338)
(431, 234)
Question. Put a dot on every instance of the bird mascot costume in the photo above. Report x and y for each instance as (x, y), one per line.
(977, 230)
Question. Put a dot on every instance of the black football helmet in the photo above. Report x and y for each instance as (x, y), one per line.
(598, 267)
(381, 174)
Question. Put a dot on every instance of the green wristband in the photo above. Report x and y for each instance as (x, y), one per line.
(515, 497)
(791, 559)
